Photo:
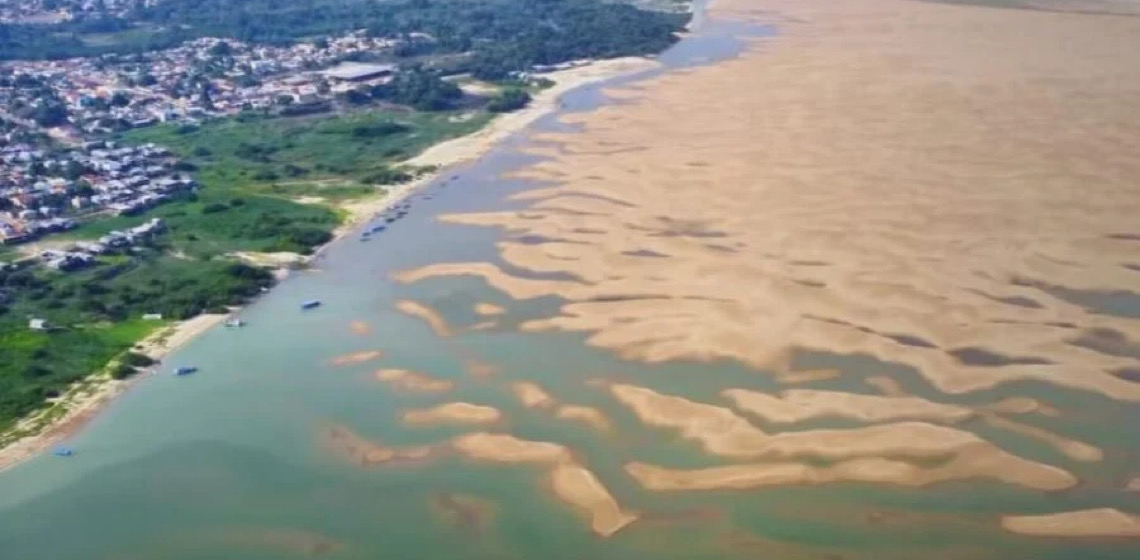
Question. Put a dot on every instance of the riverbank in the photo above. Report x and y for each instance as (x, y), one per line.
(70, 412)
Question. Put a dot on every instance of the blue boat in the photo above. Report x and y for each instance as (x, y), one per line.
(379, 228)
(63, 451)
(185, 370)
(311, 304)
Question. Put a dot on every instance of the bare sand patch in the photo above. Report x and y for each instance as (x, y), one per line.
(454, 413)
(504, 448)
(430, 316)
(489, 309)
(585, 414)
(532, 395)
(800, 405)
(580, 488)
(1102, 522)
(361, 328)
(905, 223)
(414, 381)
(807, 376)
(356, 358)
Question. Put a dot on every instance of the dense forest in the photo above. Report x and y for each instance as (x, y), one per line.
(500, 35)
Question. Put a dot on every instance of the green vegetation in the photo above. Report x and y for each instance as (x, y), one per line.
(509, 99)
(95, 315)
(500, 35)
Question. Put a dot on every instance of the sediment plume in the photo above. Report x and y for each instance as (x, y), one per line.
(464, 511)
(1102, 522)
(800, 405)
(346, 443)
(532, 395)
(356, 358)
(454, 413)
(408, 380)
(430, 316)
(585, 414)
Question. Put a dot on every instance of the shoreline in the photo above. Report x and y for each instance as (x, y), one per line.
(88, 397)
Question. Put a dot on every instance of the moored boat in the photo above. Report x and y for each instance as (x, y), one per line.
(311, 304)
(185, 370)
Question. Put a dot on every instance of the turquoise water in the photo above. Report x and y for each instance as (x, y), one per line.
(228, 463)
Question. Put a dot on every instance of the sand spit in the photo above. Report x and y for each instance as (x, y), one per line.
(1076, 450)
(905, 223)
(465, 511)
(356, 358)
(581, 489)
(807, 376)
(532, 395)
(489, 309)
(454, 413)
(361, 328)
(430, 316)
(585, 414)
(722, 432)
(415, 381)
(1103, 522)
(570, 481)
(346, 443)
(799, 405)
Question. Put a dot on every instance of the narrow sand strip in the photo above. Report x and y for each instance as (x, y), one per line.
(977, 461)
(356, 358)
(532, 395)
(807, 376)
(585, 414)
(430, 316)
(413, 381)
(721, 432)
(799, 405)
(454, 413)
(1103, 522)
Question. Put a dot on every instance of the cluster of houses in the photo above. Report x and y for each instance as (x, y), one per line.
(203, 78)
(45, 191)
(83, 253)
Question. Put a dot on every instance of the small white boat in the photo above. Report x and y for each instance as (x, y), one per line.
(235, 322)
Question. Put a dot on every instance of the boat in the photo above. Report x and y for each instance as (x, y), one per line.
(235, 322)
(63, 451)
(379, 228)
(185, 370)
(311, 304)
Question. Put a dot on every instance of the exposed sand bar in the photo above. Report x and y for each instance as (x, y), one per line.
(1074, 449)
(722, 432)
(344, 442)
(800, 405)
(489, 309)
(978, 461)
(414, 381)
(503, 448)
(1103, 522)
(454, 413)
(532, 395)
(356, 358)
(949, 210)
(581, 489)
(807, 376)
(430, 316)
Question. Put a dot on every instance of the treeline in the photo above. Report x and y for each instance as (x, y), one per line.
(501, 35)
